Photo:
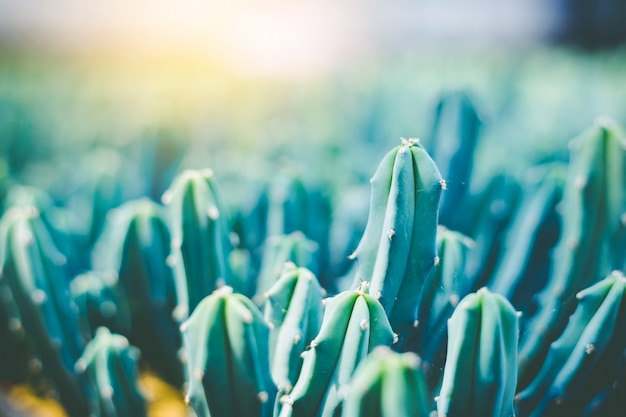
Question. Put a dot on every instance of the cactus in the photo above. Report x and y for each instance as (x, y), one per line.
(595, 198)
(279, 249)
(387, 384)
(37, 302)
(134, 247)
(99, 303)
(354, 323)
(480, 373)
(397, 251)
(293, 308)
(581, 362)
(109, 363)
(523, 268)
(226, 349)
(453, 142)
(441, 297)
(200, 238)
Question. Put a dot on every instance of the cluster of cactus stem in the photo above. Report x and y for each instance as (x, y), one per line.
(458, 300)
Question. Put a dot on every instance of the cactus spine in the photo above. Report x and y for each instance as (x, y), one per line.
(397, 251)
(480, 373)
(110, 364)
(200, 238)
(226, 349)
(354, 323)
(388, 384)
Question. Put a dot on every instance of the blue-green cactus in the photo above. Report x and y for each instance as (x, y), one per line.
(524, 264)
(388, 384)
(452, 144)
(581, 363)
(226, 352)
(594, 203)
(293, 308)
(109, 363)
(398, 248)
(441, 296)
(37, 302)
(279, 249)
(354, 323)
(200, 238)
(480, 373)
(99, 303)
(134, 248)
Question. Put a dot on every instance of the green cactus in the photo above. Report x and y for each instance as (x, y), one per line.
(523, 267)
(226, 353)
(134, 248)
(279, 249)
(582, 362)
(99, 303)
(354, 323)
(397, 251)
(453, 143)
(388, 384)
(200, 238)
(480, 373)
(37, 302)
(595, 202)
(441, 297)
(293, 308)
(109, 363)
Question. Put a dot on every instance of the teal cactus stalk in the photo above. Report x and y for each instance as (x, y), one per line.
(293, 308)
(490, 215)
(524, 265)
(226, 352)
(594, 201)
(110, 364)
(453, 142)
(480, 373)
(279, 249)
(388, 384)
(36, 299)
(99, 303)
(354, 323)
(441, 297)
(200, 238)
(581, 363)
(398, 249)
(134, 248)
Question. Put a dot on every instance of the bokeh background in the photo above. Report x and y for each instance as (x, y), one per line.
(243, 86)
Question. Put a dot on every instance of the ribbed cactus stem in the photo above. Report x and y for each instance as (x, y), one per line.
(480, 373)
(397, 251)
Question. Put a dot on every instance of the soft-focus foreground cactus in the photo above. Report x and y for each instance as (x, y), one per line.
(200, 238)
(294, 312)
(397, 251)
(36, 301)
(109, 363)
(480, 374)
(594, 204)
(226, 351)
(354, 324)
(134, 247)
(388, 384)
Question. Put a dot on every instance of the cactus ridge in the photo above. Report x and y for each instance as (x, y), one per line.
(480, 372)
